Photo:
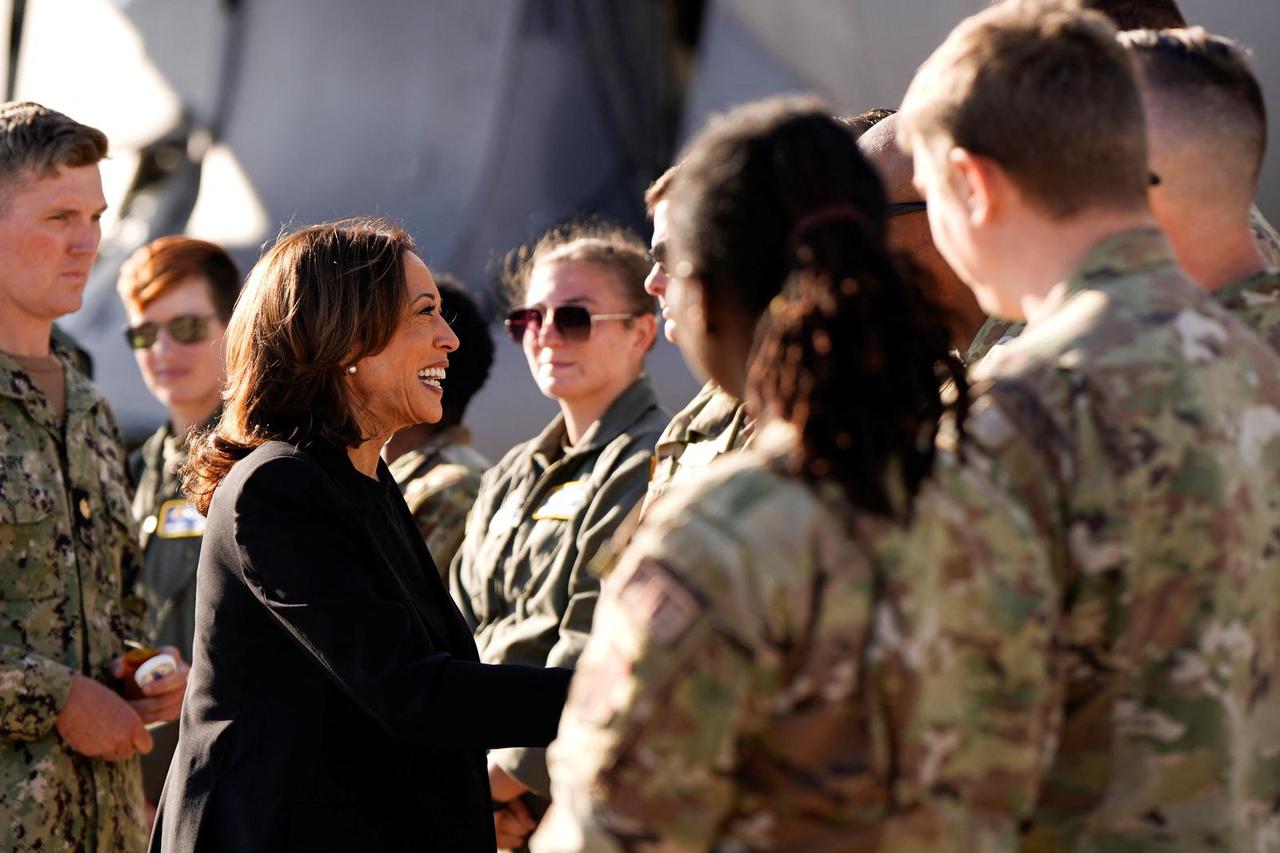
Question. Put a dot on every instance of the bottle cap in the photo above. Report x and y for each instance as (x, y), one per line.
(154, 669)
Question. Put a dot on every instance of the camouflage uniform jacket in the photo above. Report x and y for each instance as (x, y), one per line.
(521, 577)
(1255, 301)
(440, 481)
(770, 670)
(1139, 423)
(713, 424)
(996, 332)
(69, 560)
(1266, 238)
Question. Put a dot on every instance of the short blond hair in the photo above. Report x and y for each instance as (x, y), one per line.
(1044, 90)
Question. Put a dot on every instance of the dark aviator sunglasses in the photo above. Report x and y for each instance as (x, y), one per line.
(573, 322)
(185, 329)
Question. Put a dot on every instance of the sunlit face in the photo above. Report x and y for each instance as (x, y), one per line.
(687, 312)
(404, 384)
(182, 374)
(656, 283)
(949, 220)
(49, 233)
(600, 368)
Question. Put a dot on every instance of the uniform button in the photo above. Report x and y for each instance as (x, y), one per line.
(86, 511)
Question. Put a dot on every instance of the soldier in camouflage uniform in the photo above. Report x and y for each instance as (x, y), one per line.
(1207, 128)
(1207, 131)
(521, 578)
(713, 423)
(440, 481)
(787, 658)
(436, 467)
(1138, 423)
(178, 294)
(69, 778)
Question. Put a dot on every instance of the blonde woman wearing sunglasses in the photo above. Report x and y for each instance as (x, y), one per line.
(586, 325)
(178, 294)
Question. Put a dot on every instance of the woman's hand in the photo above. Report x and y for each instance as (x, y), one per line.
(512, 823)
(503, 787)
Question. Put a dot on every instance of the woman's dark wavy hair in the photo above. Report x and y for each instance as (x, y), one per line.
(776, 208)
(322, 298)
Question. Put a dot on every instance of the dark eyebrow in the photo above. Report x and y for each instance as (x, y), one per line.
(422, 296)
(59, 211)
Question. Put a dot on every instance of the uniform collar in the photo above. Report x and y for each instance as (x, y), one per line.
(1258, 289)
(1142, 250)
(623, 413)
(715, 417)
(17, 384)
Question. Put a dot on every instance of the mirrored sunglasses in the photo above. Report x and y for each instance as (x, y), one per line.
(185, 329)
(572, 322)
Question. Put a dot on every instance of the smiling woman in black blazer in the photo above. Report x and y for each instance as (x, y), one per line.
(335, 700)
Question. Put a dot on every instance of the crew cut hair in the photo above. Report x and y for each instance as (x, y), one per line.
(1210, 78)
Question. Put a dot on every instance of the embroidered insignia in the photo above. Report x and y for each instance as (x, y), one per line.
(564, 503)
(178, 519)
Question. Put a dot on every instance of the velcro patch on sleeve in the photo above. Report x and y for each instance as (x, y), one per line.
(656, 599)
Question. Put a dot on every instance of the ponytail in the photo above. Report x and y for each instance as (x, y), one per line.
(854, 355)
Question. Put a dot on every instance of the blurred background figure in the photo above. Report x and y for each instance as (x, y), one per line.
(521, 579)
(435, 465)
(909, 222)
(178, 294)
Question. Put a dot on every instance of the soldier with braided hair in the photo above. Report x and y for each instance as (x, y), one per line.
(835, 639)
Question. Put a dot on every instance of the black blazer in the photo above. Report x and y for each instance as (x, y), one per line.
(335, 699)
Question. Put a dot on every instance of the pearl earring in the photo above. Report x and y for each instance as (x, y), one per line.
(351, 371)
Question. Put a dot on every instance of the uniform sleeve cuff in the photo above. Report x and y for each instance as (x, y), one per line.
(33, 690)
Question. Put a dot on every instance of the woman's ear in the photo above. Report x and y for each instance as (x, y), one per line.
(647, 325)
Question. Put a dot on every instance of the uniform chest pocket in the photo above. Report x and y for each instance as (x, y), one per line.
(27, 488)
(30, 533)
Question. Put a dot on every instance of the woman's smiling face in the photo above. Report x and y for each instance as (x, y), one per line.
(403, 384)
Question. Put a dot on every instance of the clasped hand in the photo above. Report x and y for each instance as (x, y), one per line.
(98, 722)
(511, 819)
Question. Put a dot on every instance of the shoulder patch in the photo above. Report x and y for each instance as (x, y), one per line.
(654, 597)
